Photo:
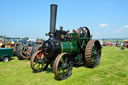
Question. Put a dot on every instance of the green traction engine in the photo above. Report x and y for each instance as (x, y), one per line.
(65, 49)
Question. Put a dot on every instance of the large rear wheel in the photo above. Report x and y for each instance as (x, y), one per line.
(23, 52)
(63, 66)
(92, 53)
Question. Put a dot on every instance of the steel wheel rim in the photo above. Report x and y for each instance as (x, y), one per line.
(23, 52)
(63, 66)
(37, 63)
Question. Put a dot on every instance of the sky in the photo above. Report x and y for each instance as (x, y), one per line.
(31, 18)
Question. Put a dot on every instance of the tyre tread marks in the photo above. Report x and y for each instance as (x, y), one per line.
(88, 51)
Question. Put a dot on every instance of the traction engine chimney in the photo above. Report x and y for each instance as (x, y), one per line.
(53, 15)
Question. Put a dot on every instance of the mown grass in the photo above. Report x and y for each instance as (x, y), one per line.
(113, 70)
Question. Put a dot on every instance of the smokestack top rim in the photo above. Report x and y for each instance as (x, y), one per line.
(53, 4)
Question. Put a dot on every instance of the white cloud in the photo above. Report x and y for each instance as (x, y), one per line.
(125, 26)
(103, 25)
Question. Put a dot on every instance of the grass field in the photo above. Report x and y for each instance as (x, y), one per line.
(113, 70)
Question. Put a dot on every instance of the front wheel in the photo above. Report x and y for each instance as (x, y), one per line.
(38, 62)
(63, 66)
(6, 59)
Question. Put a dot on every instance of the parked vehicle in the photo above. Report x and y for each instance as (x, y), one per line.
(25, 51)
(126, 43)
(6, 54)
(63, 50)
